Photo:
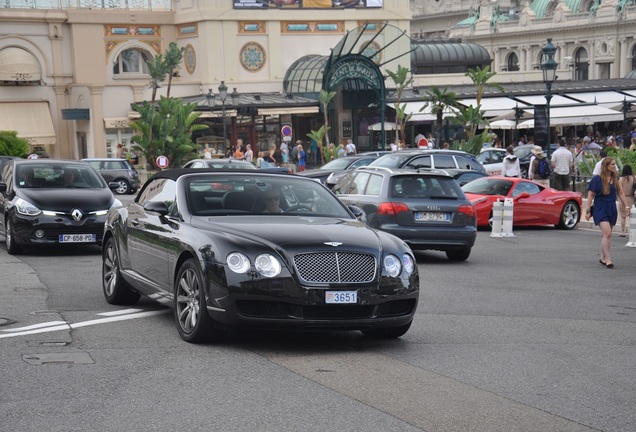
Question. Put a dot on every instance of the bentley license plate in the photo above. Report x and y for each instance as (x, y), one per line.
(432, 217)
(78, 238)
(341, 297)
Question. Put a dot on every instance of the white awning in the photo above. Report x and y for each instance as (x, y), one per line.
(580, 115)
(218, 114)
(289, 110)
(607, 99)
(387, 126)
(32, 121)
(495, 106)
(421, 111)
(540, 100)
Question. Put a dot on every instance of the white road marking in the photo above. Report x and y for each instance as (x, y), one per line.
(61, 325)
(120, 312)
(35, 326)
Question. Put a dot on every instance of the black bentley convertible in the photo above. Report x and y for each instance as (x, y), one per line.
(235, 248)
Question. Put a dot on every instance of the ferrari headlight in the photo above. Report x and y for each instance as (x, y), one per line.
(26, 208)
(267, 265)
(238, 263)
(392, 265)
(408, 263)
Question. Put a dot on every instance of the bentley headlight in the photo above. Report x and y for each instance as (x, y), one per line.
(267, 265)
(408, 263)
(26, 208)
(238, 263)
(392, 265)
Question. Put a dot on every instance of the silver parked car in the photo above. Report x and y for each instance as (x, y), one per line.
(118, 171)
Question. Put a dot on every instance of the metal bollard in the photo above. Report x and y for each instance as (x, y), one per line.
(632, 228)
(497, 219)
(508, 206)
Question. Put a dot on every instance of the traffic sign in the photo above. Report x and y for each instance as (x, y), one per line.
(162, 162)
(286, 131)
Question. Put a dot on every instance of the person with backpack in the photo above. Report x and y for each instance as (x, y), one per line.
(540, 167)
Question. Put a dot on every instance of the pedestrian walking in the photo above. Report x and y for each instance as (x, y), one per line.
(627, 185)
(602, 193)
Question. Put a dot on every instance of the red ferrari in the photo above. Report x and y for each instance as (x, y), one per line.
(534, 204)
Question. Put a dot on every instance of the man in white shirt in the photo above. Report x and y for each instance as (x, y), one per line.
(562, 164)
(350, 148)
(597, 167)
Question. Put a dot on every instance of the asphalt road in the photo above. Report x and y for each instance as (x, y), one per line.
(530, 334)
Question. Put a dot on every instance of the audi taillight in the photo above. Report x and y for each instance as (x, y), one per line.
(392, 208)
(467, 209)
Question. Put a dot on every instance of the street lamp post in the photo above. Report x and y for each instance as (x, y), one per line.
(549, 67)
(211, 97)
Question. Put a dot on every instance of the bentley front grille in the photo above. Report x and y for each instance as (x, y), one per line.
(335, 267)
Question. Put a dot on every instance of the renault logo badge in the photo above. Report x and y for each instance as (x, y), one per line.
(77, 214)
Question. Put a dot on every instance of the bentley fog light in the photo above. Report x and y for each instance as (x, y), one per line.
(238, 263)
(392, 265)
(267, 265)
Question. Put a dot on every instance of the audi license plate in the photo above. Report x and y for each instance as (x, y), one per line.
(341, 297)
(78, 238)
(432, 217)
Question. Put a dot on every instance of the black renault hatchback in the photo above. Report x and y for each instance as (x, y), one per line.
(49, 202)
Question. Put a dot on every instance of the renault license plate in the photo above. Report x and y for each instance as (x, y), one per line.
(78, 238)
(341, 297)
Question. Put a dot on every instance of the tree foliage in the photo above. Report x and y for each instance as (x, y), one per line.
(165, 129)
(481, 77)
(439, 100)
(324, 98)
(157, 70)
(172, 58)
(402, 80)
(12, 145)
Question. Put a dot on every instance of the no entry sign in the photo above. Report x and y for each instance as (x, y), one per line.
(162, 162)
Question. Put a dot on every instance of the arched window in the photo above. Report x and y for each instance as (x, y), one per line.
(133, 61)
(513, 62)
(581, 65)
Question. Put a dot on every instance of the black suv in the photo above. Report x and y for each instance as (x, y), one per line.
(438, 159)
(119, 171)
(427, 208)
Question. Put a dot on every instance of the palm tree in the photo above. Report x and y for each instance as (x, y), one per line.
(402, 80)
(325, 98)
(470, 118)
(157, 70)
(439, 100)
(173, 57)
(480, 78)
(166, 129)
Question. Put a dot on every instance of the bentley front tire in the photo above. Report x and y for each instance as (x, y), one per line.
(116, 290)
(190, 313)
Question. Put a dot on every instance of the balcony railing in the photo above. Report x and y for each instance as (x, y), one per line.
(141, 5)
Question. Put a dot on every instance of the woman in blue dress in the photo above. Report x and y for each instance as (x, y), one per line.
(602, 193)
